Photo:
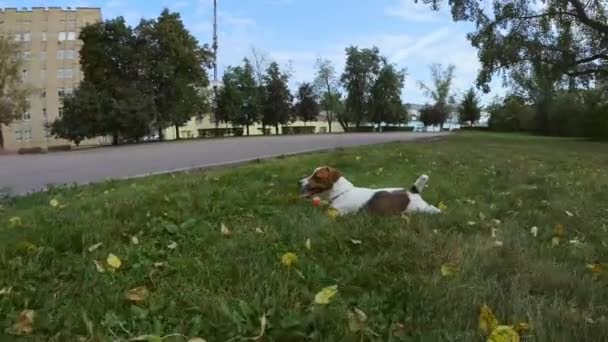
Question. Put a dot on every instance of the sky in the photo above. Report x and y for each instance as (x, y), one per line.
(297, 32)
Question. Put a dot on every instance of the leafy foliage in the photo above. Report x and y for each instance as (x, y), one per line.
(385, 100)
(278, 99)
(469, 108)
(440, 92)
(307, 107)
(326, 86)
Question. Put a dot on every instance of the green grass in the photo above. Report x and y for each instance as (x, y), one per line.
(218, 287)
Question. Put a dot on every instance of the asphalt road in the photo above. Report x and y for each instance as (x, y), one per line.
(21, 174)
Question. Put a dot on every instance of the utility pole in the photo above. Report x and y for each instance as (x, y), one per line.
(217, 124)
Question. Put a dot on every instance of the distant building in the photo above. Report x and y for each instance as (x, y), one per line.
(49, 48)
(414, 120)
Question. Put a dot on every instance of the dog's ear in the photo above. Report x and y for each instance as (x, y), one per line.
(333, 174)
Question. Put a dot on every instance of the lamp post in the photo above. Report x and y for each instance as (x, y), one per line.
(215, 62)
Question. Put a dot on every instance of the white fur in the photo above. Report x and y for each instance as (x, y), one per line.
(347, 198)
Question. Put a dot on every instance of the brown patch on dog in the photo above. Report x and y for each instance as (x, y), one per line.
(384, 203)
(323, 179)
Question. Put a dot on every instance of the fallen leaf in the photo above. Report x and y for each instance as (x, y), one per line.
(134, 240)
(95, 246)
(576, 243)
(15, 221)
(307, 244)
(259, 230)
(442, 206)
(289, 259)
(504, 333)
(555, 241)
(160, 264)
(560, 230)
(356, 242)
(224, 230)
(5, 291)
(113, 261)
(487, 320)
(172, 245)
(326, 295)
(99, 266)
(569, 213)
(333, 212)
(25, 323)
(54, 203)
(534, 231)
(138, 294)
(469, 201)
(494, 232)
(448, 270)
(357, 320)
(522, 328)
(498, 243)
(357, 158)
(496, 221)
(596, 269)
(471, 223)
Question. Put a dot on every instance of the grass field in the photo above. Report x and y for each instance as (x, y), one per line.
(416, 278)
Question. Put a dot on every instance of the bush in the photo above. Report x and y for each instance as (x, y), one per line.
(566, 115)
(511, 116)
(30, 150)
(298, 129)
(59, 148)
(397, 129)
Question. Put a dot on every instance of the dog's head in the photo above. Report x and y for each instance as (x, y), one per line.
(321, 180)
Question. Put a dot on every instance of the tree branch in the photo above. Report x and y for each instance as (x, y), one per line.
(584, 18)
(591, 58)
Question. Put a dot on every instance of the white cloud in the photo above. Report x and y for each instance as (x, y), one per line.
(420, 45)
(414, 11)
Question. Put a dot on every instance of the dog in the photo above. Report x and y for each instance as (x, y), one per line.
(328, 183)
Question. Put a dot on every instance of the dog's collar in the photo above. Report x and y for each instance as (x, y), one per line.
(338, 195)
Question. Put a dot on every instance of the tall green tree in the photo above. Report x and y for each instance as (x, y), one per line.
(230, 99)
(278, 100)
(175, 70)
(569, 36)
(250, 94)
(469, 109)
(326, 86)
(440, 91)
(385, 100)
(306, 108)
(361, 71)
(13, 91)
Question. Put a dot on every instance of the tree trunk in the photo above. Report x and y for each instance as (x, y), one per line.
(177, 137)
(115, 139)
(160, 134)
(276, 128)
(247, 129)
(329, 124)
(1, 139)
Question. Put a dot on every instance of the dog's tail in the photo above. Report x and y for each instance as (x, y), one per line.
(419, 184)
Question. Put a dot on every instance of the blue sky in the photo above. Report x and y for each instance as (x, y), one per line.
(297, 32)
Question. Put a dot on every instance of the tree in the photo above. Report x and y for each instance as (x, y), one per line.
(13, 92)
(307, 107)
(432, 115)
(230, 99)
(175, 70)
(569, 36)
(385, 97)
(326, 86)
(360, 73)
(81, 114)
(250, 96)
(469, 109)
(440, 91)
(278, 99)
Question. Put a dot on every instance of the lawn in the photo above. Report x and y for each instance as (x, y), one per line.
(413, 278)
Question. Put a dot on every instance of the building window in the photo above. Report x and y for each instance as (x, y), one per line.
(69, 91)
(27, 134)
(44, 113)
(69, 54)
(17, 37)
(60, 54)
(44, 36)
(43, 56)
(64, 73)
(60, 110)
(43, 95)
(24, 75)
(60, 92)
(27, 37)
(62, 36)
(26, 55)
(18, 135)
(71, 35)
(47, 131)
(27, 116)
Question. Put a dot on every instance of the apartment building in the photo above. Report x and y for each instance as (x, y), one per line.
(49, 49)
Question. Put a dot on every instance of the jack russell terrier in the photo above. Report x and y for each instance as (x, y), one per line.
(346, 198)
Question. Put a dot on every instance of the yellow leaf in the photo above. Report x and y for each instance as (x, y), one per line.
(357, 320)
(569, 213)
(560, 230)
(224, 230)
(160, 264)
(15, 221)
(307, 244)
(289, 259)
(25, 323)
(259, 230)
(442, 206)
(504, 333)
(498, 243)
(95, 246)
(487, 320)
(534, 231)
(521, 328)
(555, 241)
(333, 212)
(54, 203)
(134, 240)
(471, 223)
(172, 245)
(357, 158)
(326, 295)
(5, 291)
(596, 269)
(356, 242)
(138, 294)
(99, 266)
(448, 270)
(114, 261)
(26, 247)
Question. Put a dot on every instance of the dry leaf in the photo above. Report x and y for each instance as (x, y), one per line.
(333, 212)
(357, 158)
(15, 221)
(487, 320)
(356, 242)
(534, 231)
(357, 320)
(114, 261)
(160, 264)
(471, 223)
(172, 245)
(95, 246)
(134, 240)
(54, 203)
(494, 231)
(576, 243)
(555, 241)
(263, 323)
(442, 206)
(307, 244)
(498, 243)
(448, 270)
(138, 294)
(596, 269)
(224, 230)
(560, 230)
(99, 266)
(326, 295)
(569, 213)
(259, 230)
(25, 323)
(289, 259)
(5, 291)
(504, 333)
